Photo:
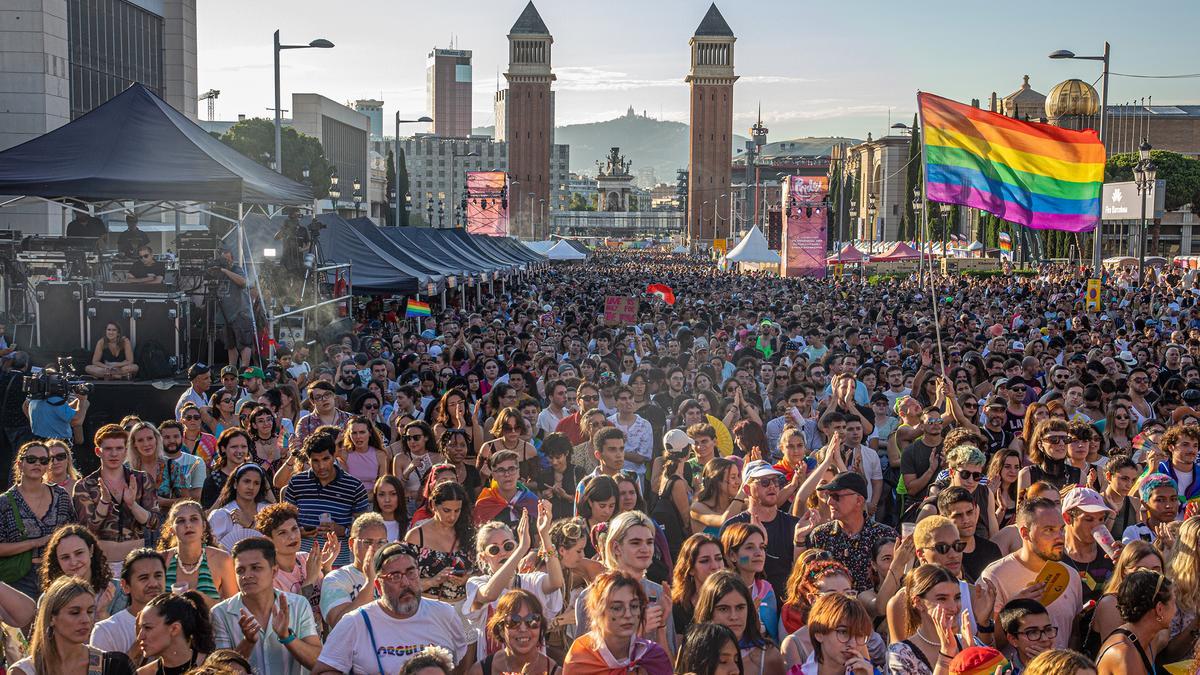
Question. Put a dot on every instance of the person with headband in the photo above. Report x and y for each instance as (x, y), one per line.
(1160, 499)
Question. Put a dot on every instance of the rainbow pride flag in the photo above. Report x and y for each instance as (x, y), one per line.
(415, 308)
(1006, 242)
(1033, 174)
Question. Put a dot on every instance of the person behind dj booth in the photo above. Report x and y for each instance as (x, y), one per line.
(297, 241)
(145, 270)
(235, 307)
(131, 241)
(86, 225)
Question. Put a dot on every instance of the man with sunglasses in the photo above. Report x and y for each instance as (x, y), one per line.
(763, 483)
(145, 270)
(852, 534)
(587, 396)
(958, 504)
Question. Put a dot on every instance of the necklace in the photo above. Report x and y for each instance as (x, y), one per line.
(195, 566)
(926, 640)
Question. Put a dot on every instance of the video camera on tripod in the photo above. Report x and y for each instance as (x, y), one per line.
(56, 381)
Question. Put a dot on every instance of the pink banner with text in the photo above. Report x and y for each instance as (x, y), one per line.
(805, 226)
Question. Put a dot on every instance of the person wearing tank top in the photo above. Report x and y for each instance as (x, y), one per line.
(360, 454)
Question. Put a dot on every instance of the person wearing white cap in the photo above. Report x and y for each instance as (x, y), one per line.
(763, 483)
(1084, 510)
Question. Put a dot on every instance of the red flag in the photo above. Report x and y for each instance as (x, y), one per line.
(663, 291)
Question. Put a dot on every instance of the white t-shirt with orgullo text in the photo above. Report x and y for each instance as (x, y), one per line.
(349, 646)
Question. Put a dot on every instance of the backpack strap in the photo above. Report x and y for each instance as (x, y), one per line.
(95, 661)
(371, 634)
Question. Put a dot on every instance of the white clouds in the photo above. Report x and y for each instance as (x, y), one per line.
(589, 78)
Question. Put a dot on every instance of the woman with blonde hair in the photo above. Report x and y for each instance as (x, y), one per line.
(629, 548)
(583, 455)
(1059, 662)
(1182, 570)
(59, 642)
(508, 434)
(616, 607)
(145, 453)
(1136, 555)
(191, 558)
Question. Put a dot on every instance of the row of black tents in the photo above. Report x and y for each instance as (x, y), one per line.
(135, 148)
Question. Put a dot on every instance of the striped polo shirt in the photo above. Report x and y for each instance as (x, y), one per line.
(343, 499)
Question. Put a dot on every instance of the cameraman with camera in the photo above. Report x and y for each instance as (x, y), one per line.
(56, 407)
(235, 307)
(12, 413)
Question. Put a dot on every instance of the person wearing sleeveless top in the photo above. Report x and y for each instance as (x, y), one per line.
(59, 641)
(360, 452)
(414, 455)
(206, 569)
(1147, 605)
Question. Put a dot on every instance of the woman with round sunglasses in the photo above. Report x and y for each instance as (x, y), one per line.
(195, 439)
(518, 626)
(62, 471)
(1119, 429)
(499, 556)
(1048, 457)
(414, 454)
(30, 512)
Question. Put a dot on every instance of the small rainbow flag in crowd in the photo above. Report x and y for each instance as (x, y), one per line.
(416, 308)
(1006, 242)
(1037, 175)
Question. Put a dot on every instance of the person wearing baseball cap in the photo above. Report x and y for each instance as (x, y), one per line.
(851, 535)
(200, 377)
(763, 484)
(1084, 510)
(994, 429)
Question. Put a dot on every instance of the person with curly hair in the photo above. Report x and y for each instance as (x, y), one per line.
(1147, 605)
(74, 551)
(192, 559)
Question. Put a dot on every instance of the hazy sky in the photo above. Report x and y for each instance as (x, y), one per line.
(818, 68)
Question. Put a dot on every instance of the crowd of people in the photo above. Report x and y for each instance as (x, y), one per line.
(768, 476)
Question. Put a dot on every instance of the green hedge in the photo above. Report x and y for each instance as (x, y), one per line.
(1025, 272)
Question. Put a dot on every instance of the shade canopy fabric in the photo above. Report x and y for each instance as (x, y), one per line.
(136, 146)
(848, 254)
(753, 248)
(564, 251)
(897, 251)
(680, 249)
(539, 247)
(432, 242)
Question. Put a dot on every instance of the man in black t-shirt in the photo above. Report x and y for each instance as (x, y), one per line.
(921, 461)
(131, 241)
(763, 483)
(957, 504)
(145, 270)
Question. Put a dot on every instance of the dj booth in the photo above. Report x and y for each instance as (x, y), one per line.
(67, 291)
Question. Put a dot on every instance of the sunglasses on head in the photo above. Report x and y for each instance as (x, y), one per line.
(494, 549)
(943, 549)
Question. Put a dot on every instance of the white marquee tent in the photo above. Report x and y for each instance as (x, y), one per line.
(563, 250)
(753, 249)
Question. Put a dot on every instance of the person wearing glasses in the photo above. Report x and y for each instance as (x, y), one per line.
(384, 634)
(1048, 456)
(965, 469)
(587, 397)
(352, 586)
(763, 485)
(851, 534)
(616, 608)
(112, 359)
(273, 629)
(935, 540)
(505, 498)
(518, 625)
(1147, 605)
(30, 511)
(325, 412)
(499, 556)
(840, 638)
(507, 433)
(1029, 631)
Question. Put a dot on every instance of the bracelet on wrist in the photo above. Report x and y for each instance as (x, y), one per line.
(289, 638)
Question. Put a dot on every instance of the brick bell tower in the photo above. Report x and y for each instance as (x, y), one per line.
(710, 148)
(526, 112)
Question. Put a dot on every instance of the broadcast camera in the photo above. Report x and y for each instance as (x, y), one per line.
(56, 381)
(213, 269)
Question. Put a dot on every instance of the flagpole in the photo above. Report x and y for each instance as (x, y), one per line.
(937, 327)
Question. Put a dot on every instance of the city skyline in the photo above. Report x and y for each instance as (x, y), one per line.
(811, 83)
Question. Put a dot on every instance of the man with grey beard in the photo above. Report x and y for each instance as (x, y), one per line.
(384, 634)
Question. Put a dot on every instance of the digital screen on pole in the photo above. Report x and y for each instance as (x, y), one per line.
(487, 211)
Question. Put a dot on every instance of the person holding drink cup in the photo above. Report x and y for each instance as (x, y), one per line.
(1084, 512)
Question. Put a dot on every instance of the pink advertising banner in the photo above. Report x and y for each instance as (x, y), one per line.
(487, 212)
(805, 230)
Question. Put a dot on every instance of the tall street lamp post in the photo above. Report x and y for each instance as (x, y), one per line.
(335, 192)
(396, 157)
(319, 43)
(1144, 175)
(357, 196)
(1097, 236)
